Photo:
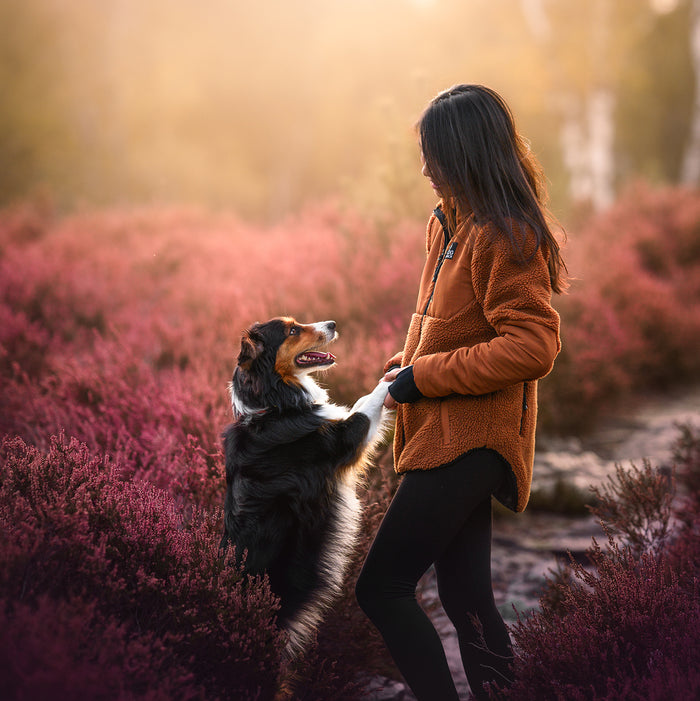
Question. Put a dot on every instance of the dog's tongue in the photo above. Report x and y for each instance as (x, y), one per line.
(314, 358)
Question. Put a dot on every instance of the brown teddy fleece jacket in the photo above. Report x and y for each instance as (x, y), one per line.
(483, 332)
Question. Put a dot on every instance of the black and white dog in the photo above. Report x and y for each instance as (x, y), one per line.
(292, 462)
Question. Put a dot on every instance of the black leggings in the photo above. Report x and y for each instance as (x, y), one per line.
(440, 516)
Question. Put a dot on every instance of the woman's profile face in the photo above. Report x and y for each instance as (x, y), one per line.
(425, 173)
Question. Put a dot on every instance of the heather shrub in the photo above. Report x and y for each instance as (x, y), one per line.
(628, 630)
(687, 461)
(171, 290)
(631, 322)
(635, 506)
(122, 565)
(155, 302)
(686, 457)
(120, 328)
(157, 426)
(126, 567)
(66, 650)
(122, 332)
(626, 626)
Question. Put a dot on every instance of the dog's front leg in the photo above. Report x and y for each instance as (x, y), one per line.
(380, 390)
(372, 406)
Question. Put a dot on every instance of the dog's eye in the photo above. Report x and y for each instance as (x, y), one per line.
(294, 331)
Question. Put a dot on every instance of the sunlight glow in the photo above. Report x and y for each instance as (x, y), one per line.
(663, 7)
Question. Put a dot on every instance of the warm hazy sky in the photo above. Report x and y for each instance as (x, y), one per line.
(264, 106)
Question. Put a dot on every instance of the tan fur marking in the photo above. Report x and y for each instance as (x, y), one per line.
(308, 339)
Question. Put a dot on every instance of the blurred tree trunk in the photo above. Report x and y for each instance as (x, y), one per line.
(587, 139)
(691, 163)
(587, 105)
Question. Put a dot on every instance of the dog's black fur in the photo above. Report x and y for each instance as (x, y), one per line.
(292, 460)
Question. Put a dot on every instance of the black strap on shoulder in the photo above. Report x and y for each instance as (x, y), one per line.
(443, 220)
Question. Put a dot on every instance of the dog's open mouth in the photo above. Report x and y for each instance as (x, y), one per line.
(315, 359)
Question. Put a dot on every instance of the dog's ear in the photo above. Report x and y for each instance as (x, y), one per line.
(251, 347)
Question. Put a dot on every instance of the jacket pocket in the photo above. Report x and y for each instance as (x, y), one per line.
(445, 422)
(524, 409)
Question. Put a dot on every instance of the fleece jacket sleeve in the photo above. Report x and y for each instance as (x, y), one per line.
(515, 296)
(394, 362)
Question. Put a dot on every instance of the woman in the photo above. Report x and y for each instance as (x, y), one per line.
(465, 391)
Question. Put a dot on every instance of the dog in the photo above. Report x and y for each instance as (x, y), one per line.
(292, 463)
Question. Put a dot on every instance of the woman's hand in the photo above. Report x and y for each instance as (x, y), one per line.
(389, 401)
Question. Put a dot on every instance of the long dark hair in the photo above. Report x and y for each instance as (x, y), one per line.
(480, 163)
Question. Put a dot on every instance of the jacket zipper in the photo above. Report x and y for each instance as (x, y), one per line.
(441, 259)
(442, 219)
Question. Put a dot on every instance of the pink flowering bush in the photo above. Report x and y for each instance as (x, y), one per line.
(628, 626)
(123, 330)
(108, 588)
(118, 334)
(66, 650)
(631, 322)
(687, 460)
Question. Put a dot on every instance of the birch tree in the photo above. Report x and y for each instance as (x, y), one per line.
(587, 46)
(690, 174)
